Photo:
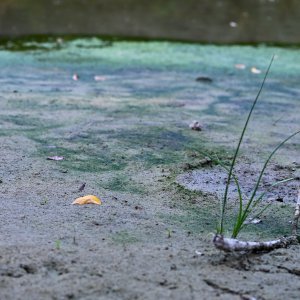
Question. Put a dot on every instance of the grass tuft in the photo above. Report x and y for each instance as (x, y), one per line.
(247, 207)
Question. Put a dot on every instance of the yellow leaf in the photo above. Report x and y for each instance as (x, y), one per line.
(255, 71)
(89, 199)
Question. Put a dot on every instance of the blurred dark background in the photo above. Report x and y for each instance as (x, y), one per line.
(209, 21)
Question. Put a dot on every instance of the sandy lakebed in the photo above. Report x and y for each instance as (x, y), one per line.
(123, 130)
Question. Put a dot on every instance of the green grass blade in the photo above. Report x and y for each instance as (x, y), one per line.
(219, 162)
(254, 217)
(223, 206)
(259, 198)
(250, 202)
(268, 160)
(236, 183)
(263, 169)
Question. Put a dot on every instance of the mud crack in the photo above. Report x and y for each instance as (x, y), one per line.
(291, 271)
(227, 290)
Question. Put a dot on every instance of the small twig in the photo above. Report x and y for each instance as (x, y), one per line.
(234, 245)
(74, 237)
(276, 121)
(296, 216)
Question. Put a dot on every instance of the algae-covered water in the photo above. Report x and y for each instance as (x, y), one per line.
(118, 112)
(158, 77)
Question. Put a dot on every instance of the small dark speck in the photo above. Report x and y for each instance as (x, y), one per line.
(82, 187)
(96, 223)
(204, 79)
(163, 283)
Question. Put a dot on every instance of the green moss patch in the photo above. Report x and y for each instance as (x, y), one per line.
(124, 237)
(123, 183)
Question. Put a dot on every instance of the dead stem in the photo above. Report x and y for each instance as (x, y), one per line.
(232, 245)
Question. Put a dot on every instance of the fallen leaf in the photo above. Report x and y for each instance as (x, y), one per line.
(253, 221)
(240, 66)
(75, 77)
(55, 158)
(99, 78)
(255, 71)
(89, 199)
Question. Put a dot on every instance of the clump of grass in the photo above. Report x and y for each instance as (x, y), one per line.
(247, 207)
(57, 244)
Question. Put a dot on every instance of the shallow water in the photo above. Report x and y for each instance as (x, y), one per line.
(222, 21)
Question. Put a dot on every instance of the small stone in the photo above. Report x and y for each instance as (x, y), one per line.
(253, 221)
(195, 125)
(75, 77)
(199, 253)
(255, 70)
(204, 79)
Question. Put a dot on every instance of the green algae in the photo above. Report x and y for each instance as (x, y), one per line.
(83, 158)
(199, 215)
(157, 55)
(124, 237)
(154, 137)
(202, 218)
(123, 183)
(22, 120)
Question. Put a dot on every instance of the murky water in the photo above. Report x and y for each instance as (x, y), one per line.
(230, 21)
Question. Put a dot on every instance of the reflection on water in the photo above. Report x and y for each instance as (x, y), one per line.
(219, 21)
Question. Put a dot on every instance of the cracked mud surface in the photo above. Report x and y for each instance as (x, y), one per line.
(213, 180)
(127, 138)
